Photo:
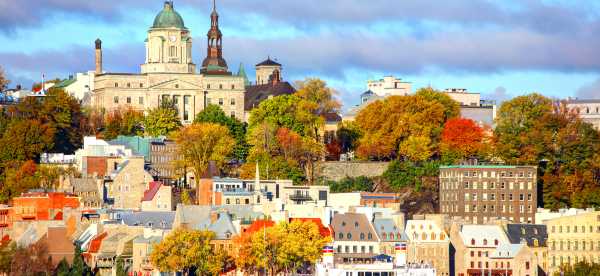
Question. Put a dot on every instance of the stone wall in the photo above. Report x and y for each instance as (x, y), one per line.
(337, 170)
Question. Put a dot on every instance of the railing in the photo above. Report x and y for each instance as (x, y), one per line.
(298, 197)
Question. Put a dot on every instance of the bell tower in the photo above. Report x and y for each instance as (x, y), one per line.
(214, 62)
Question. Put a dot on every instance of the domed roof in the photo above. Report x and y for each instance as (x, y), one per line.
(168, 18)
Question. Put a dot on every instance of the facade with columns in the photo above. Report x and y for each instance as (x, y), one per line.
(169, 73)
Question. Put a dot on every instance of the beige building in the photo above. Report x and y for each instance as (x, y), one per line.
(588, 110)
(573, 239)
(129, 181)
(168, 73)
(472, 107)
(389, 86)
(428, 243)
(157, 197)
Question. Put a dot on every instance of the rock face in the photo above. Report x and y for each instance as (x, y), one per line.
(337, 170)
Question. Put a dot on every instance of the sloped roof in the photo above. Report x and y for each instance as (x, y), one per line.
(96, 243)
(151, 192)
(350, 226)
(423, 230)
(258, 225)
(83, 184)
(388, 227)
(222, 227)
(506, 251)
(65, 83)
(483, 235)
(255, 94)
(155, 220)
(527, 232)
(268, 62)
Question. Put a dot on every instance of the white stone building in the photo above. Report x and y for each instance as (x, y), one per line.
(588, 110)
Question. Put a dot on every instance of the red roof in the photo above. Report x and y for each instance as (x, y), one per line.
(324, 231)
(58, 216)
(96, 243)
(258, 225)
(151, 192)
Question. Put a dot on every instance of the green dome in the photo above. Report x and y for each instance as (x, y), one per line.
(168, 18)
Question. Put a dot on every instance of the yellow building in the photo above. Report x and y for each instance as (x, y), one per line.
(573, 239)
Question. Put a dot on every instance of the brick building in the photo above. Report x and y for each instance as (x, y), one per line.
(479, 194)
(43, 206)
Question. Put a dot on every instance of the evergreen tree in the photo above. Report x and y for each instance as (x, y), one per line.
(63, 268)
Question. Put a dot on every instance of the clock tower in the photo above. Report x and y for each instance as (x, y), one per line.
(169, 44)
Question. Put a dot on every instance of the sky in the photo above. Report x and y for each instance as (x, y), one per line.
(500, 48)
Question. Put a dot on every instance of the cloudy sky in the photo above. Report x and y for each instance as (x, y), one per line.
(500, 48)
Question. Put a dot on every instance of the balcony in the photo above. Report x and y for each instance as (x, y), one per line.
(300, 197)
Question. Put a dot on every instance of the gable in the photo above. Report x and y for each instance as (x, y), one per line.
(175, 84)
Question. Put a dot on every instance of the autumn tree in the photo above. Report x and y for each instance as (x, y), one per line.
(579, 269)
(283, 248)
(386, 124)
(200, 143)
(32, 260)
(462, 139)
(7, 253)
(162, 121)
(451, 107)
(214, 114)
(185, 251)
(26, 140)
(3, 80)
(316, 91)
(126, 121)
(18, 178)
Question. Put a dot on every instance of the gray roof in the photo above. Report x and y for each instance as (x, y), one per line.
(191, 214)
(148, 240)
(222, 227)
(389, 227)
(154, 220)
(528, 233)
(352, 227)
(507, 251)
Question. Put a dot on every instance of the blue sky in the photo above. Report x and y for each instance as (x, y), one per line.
(500, 48)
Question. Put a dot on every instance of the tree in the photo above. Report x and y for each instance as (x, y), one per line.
(121, 271)
(26, 140)
(401, 174)
(79, 267)
(385, 124)
(451, 107)
(200, 143)
(461, 139)
(346, 185)
(63, 114)
(579, 269)
(7, 253)
(32, 260)
(214, 114)
(126, 122)
(19, 177)
(63, 268)
(162, 121)
(184, 250)
(283, 111)
(416, 148)
(283, 248)
(185, 197)
(316, 91)
(3, 80)
(348, 135)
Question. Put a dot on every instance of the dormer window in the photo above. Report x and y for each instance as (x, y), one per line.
(472, 241)
(356, 224)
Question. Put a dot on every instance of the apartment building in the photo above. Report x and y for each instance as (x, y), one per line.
(573, 239)
(428, 243)
(482, 193)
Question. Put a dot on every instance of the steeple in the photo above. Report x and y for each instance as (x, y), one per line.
(242, 73)
(214, 62)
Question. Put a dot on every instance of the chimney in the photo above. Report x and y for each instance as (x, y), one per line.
(98, 56)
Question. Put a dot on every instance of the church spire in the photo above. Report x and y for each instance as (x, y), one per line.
(214, 62)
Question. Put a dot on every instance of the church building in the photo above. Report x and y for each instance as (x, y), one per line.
(168, 73)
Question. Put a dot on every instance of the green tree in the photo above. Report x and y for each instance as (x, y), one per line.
(283, 111)
(79, 267)
(63, 268)
(214, 114)
(348, 135)
(200, 143)
(316, 91)
(361, 183)
(162, 121)
(121, 271)
(18, 177)
(579, 269)
(186, 251)
(401, 174)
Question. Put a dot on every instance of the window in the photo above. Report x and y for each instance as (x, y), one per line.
(172, 51)
(472, 241)
(141, 100)
(354, 249)
(348, 236)
(220, 86)
(128, 100)
(370, 236)
(484, 241)
(233, 87)
(466, 186)
(362, 236)
(116, 84)
(141, 85)
(232, 114)
(116, 99)
(220, 101)
(341, 235)
(208, 86)
(495, 242)
(232, 101)
(356, 224)
(237, 201)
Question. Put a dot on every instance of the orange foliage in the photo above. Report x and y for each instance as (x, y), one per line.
(463, 136)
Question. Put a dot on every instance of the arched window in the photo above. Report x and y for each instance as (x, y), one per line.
(227, 201)
(362, 236)
(472, 241)
(384, 235)
(432, 235)
(391, 236)
(484, 241)
(237, 201)
(341, 235)
(442, 236)
(424, 236)
(495, 242)
(370, 236)
(536, 243)
(349, 236)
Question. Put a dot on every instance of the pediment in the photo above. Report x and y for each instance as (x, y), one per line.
(175, 84)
